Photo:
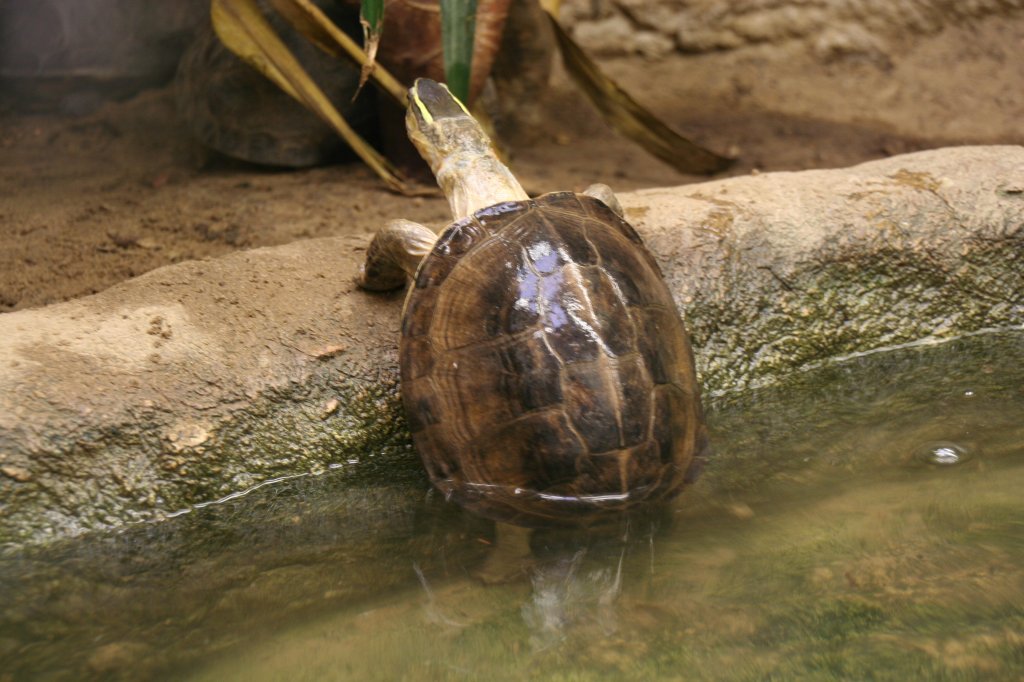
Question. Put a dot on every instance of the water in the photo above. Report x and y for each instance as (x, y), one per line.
(864, 521)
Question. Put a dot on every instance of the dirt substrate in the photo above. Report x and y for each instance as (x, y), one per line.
(88, 202)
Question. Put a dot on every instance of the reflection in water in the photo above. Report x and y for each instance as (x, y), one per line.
(862, 522)
(562, 598)
(433, 611)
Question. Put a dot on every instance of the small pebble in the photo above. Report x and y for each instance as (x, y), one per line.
(330, 407)
(741, 511)
(19, 474)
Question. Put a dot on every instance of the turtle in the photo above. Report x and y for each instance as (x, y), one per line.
(233, 109)
(546, 375)
(230, 107)
(411, 45)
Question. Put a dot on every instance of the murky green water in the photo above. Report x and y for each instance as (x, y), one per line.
(864, 522)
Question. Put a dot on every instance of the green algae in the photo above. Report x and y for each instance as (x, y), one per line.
(855, 302)
(328, 424)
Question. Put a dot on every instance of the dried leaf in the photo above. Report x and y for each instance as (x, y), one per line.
(293, 12)
(309, 20)
(629, 118)
(552, 7)
(246, 32)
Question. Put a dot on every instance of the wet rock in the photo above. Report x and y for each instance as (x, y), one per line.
(775, 272)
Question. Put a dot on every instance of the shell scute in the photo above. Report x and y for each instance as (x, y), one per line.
(533, 376)
(593, 404)
(433, 271)
(497, 385)
(459, 238)
(420, 362)
(416, 317)
(499, 212)
(662, 342)
(578, 247)
(535, 452)
(634, 383)
(424, 415)
(611, 320)
(473, 306)
(557, 376)
(670, 431)
(614, 472)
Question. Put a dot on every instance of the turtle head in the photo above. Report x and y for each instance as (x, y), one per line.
(440, 125)
(459, 152)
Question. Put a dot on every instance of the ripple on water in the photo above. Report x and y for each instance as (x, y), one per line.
(942, 453)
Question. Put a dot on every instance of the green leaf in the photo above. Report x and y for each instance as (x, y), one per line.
(458, 25)
(371, 16)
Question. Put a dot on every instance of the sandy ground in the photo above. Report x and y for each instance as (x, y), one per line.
(87, 202)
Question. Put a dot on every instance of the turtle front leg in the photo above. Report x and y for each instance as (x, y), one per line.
(394, 254)
(604, 194)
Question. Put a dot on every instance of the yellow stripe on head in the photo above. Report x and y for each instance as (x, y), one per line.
(434, 100)
(424, 111)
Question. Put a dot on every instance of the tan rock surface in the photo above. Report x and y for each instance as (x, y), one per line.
(199, 380)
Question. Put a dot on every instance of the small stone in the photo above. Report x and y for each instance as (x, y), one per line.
(653, 45)
(330, 407)
(328, 351)
(122, 241)
(19, 474)
(741, 511)
(611, 37)
(846, 41)
(188, 435)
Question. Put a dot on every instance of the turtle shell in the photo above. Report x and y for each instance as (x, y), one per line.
(232, 108)
(546, 374)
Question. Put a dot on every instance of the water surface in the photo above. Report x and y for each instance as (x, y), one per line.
(863, 521)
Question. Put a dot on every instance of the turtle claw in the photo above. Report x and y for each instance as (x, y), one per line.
(394, 254)
(377, 281)
(605, 195)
